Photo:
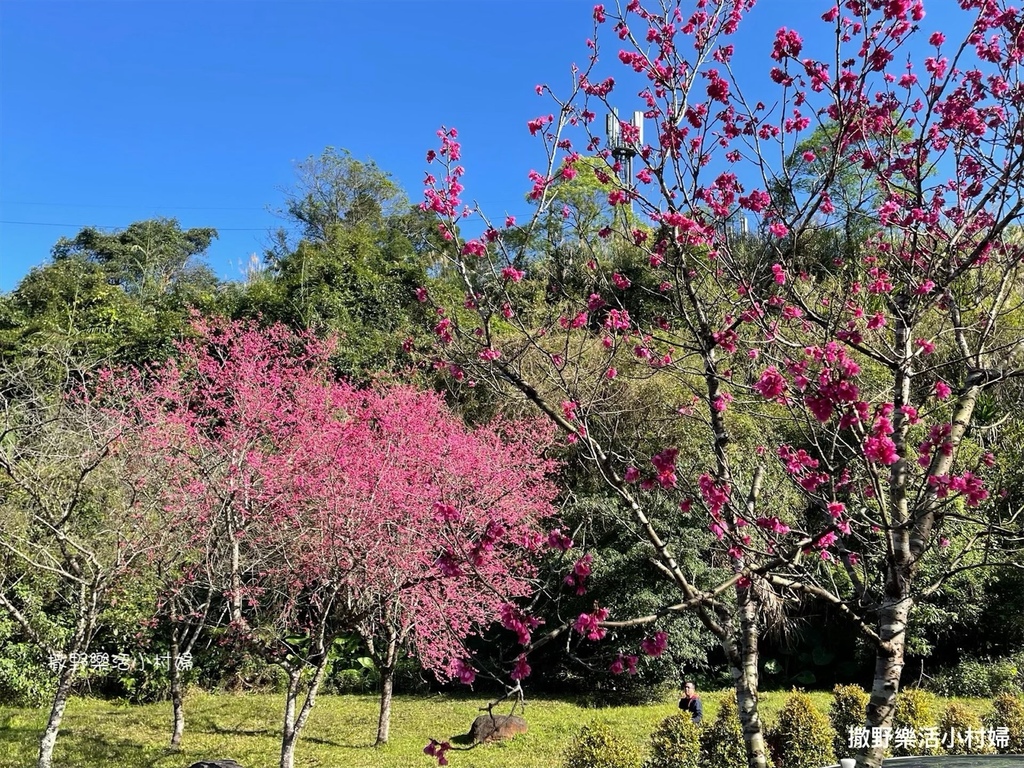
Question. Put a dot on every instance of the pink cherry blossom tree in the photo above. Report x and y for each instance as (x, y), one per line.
(329, 510)
(860, 363)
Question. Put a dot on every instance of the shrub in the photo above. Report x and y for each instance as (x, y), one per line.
(595, 746)
(675, 744)
(721, 743)
(971, 679)
(914, 715)
(980, 678)
(1008, 712)
(961, 731)
(347, 681)
(1004, 676)
(24, 682)
(620, 690)
(848, 709)
(803, 735)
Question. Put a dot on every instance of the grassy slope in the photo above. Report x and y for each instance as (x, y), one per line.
(340, 731)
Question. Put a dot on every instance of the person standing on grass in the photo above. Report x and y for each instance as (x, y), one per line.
(691, 702)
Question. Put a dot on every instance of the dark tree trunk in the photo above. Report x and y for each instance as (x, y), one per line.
(387, 686)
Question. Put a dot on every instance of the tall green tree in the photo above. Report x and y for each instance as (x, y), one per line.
(362, 252)
(119, 297)
(153, 260)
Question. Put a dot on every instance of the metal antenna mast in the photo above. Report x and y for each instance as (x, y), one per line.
(624, 148)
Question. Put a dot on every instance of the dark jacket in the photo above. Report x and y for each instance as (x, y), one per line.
(694, 706)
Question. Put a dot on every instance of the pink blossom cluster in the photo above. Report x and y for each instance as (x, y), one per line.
(938, 438)
(879, 447)
(514, 618)
(836, 385)
(512, 274)
(617, 320)
(444, 200)
(522, 669)
(773, 524)
(329, 487)
(771, 385)
(969, 484)
(437, 750)
(580, 572)
(801, 465)
(715, 495)
(656, 645)
(559, 540)
(665, 464)
(623, 664)
(589, 624)
(465, 672)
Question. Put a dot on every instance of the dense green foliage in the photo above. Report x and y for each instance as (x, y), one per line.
(915, 713)
(845, 713)
(111, 298)
(353, 273)
(803, 736)
(961, 731)
(600, 746)
(24, 681)
(981, 677)
(675, 743)
(721, 742)
(1008, 712)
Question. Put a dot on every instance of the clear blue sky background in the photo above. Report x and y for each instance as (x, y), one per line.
(113, 112)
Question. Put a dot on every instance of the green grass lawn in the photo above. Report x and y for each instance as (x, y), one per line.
(340, 731)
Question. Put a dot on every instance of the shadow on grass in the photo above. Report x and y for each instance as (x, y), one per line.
(212, 727)
(92, 750)
(9, 735)
(329, 743)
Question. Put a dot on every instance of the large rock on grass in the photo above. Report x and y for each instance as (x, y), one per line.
(496, 728)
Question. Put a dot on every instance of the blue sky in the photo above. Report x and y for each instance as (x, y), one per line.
(113, 112)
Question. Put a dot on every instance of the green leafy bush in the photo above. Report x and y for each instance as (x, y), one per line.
(721, 743)
(1004, 676)
(348, 681)
(961, 731)
(24, 682)
(981, 678)
(675, 744)
(914, 714)
(803, 735)
(607, 690)
(849, 703)
(1008, 712)
(595, 746)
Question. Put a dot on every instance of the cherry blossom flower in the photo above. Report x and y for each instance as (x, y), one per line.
(656, 645)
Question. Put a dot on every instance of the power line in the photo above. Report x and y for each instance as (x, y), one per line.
(155, 207)
(105, 226)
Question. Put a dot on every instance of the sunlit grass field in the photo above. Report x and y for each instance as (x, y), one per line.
(340, 733)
